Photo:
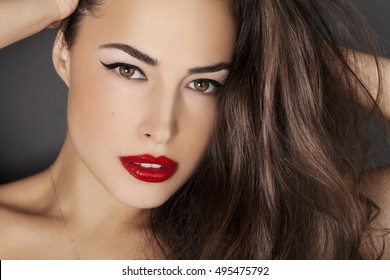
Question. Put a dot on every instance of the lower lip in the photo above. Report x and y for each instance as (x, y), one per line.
(149, 175)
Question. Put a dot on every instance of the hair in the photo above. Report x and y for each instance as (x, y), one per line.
(281, 176)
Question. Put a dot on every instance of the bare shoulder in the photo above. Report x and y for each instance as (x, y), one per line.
(27, 194)
(24, 208)
(377, 188)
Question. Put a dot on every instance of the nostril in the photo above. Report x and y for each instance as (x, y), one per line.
(148, 135)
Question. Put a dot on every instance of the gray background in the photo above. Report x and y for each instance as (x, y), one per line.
(33, 100)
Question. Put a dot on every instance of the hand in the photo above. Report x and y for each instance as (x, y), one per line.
(65, 8)
(20, 19)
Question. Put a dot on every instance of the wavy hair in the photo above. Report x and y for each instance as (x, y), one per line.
(281, 176)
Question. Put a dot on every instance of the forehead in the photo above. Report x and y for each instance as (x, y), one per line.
(198, 28)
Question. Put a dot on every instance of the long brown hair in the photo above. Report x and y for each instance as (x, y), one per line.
(280, 178)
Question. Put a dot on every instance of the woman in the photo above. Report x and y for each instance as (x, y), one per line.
(194, 132)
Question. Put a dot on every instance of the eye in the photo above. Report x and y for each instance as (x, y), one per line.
(204, 86)
(127, 71)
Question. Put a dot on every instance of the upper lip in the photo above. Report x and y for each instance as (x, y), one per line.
(149, 159)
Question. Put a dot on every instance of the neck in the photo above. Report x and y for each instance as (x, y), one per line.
(84, 200)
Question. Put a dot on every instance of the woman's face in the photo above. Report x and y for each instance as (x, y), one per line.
(143, 77)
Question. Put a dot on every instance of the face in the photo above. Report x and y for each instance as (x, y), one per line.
(143, 80)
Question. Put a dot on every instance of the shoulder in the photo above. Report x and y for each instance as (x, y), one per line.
(377, 189)
(24, 208)
(27, 195)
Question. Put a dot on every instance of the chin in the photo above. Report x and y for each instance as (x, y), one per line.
(147, 203)
(142, 197)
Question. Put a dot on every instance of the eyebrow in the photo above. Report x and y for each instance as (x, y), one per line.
(154, 62)
(132, 52)
(209, 69)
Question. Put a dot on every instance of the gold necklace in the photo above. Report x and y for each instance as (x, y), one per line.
(68, 234)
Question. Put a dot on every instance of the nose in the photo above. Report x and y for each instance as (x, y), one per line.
(159, 123)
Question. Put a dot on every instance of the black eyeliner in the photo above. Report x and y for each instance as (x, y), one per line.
(119, 64)
(213, 82)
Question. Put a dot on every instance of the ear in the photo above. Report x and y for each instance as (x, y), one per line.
(61, 58)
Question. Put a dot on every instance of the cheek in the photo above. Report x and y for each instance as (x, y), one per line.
(93, 116)
(196, 130)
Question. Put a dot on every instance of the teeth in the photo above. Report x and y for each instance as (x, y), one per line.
(149, 165)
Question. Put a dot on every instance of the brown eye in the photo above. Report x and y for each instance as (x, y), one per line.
(204, 86)
(126, 71)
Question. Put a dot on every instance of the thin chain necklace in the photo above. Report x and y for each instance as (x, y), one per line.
(68, 234)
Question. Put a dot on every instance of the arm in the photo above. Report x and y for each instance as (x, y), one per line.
(22, 18)
(365, 67)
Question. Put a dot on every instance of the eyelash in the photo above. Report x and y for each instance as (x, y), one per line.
(117, 68)
(216, 86)
(141, 76)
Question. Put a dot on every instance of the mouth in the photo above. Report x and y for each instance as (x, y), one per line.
(148, 168)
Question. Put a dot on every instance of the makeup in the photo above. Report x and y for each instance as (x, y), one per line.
(148, 168)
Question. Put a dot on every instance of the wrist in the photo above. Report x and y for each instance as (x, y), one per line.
(53, 11)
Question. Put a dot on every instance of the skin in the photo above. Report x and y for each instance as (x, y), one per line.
(365, 67)
(378, 190)
(31, 17)
(160, 113)
(103, 219)
(377, 187)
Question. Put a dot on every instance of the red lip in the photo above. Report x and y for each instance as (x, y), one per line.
(151, 174)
